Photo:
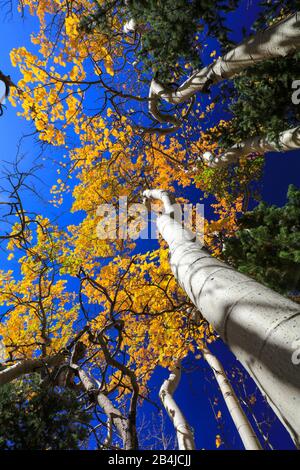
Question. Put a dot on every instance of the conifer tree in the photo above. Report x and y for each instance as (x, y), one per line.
(36, 417)
(267, 244)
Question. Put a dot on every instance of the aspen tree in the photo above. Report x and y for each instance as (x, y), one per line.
(259, 326)
(184, 432)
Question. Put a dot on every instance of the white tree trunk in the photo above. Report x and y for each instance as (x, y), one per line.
(112, 413)
(184, 433)
(28, 366)
(280, 40)
(288, 140)
(130, 26)
(261, 327)
(237, 414)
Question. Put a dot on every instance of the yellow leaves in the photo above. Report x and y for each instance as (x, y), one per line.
(85, 248)
(22, 57)
(27, 75)
(13, 97)
(10, 256)
(166, 163)
(73, 106)
(148, 300)
(59, 60)
(71, 24)
(252, 399)
(108, 62)
(15, 56)
(52, 135)
(76, 73)
(210, 107)
(44, 97)
(52, 95)
(40, 124)
(219, 441)
(41, 311)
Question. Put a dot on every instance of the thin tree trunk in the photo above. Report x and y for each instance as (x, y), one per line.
(184, 433)
(131, 440)
(237, 414)
(288, 140)
(260, 326)
(249, 407)
(112, 413)
(28, 366)
(280, 40)
(109, 435)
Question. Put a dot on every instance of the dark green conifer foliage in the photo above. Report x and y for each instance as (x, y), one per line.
(260, 101)
(267, 245)
(171, 30)
(36, 417)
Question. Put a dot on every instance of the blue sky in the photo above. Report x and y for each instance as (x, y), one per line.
(280, 171)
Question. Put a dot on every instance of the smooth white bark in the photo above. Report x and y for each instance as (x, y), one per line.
(288, 140)
(112, 413)
(130, 26)
(260, 326)
(280, 40)
(28, 366)
(184, 433)
(162, 196)
(109, 435)
(237, 414)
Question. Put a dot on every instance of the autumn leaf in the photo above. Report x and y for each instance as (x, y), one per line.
(219, 441)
